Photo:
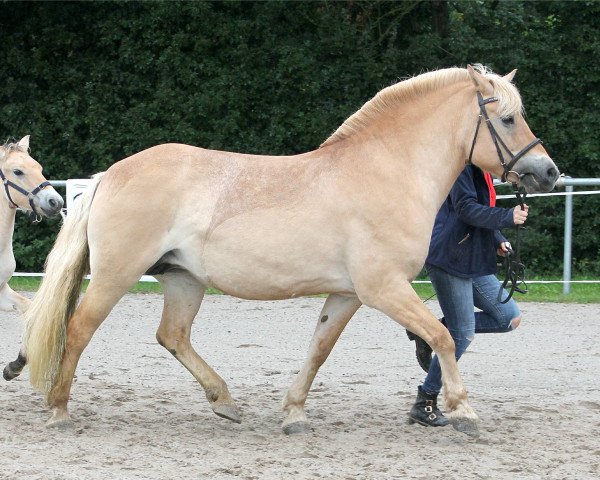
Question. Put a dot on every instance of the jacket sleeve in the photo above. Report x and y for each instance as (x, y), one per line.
(464, 199)
(499, 238)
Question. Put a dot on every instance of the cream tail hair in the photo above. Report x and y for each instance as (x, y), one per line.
(46, 318)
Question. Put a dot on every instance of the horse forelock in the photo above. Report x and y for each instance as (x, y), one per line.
(509, 99)
(10, 147)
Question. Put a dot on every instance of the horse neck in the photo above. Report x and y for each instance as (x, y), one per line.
(422, 145)
(7, 224)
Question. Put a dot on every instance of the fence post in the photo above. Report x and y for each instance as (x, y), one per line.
(568, 239)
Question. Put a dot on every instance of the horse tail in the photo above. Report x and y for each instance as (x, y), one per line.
(53, 305)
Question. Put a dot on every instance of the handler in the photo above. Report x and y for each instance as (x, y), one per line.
(461, 265)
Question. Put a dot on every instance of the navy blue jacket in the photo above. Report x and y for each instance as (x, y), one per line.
(466, 231)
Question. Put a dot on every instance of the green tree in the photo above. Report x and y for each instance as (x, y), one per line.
(94, 82)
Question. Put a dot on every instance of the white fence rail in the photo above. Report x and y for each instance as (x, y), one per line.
(75, 187)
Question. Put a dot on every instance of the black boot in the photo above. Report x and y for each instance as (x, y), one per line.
(422, 350)
(425, 411)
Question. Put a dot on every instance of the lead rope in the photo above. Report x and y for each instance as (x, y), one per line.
(513, 267)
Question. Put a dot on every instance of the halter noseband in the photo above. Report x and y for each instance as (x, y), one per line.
(30, 195)
(498, 142)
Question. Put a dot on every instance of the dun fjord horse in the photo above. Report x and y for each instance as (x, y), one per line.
(25, 188)
(352, 218)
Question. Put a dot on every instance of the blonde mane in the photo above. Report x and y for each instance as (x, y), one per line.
(509, 100)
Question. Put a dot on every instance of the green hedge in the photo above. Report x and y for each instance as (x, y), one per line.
(94, 82)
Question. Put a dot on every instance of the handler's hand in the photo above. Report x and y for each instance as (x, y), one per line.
(519, 216)
(504, 248)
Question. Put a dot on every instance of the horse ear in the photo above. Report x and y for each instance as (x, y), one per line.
(481, 83)
(24, 143)
(509, 77)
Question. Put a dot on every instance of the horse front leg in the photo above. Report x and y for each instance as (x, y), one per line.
(334, 317)
(13, 369)
(397, 299)
(11, 300)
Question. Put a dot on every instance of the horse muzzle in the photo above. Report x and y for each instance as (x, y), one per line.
(537, 174)
(50, 203)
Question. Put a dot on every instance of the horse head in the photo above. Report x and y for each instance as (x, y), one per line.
(25, 186)
(503, 144)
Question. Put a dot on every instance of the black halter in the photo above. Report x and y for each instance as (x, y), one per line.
(514, 268)
(30, 195)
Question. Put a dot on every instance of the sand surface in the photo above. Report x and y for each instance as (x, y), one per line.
(139, 414)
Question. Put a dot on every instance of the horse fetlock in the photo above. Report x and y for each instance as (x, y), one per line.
(294, 399)
(60, 419)
(455, 400)
(295, 422)
(223, 405)
(462, 411)
(218, 395)
(294, 413)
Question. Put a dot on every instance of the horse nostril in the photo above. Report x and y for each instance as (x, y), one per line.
(55, 203)
(552, 172)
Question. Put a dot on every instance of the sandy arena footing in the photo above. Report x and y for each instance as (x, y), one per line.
(139, 414)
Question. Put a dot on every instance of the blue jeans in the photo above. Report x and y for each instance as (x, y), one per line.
(457, 297)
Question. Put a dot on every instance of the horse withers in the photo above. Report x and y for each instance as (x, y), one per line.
(352, 219)
(26, 189)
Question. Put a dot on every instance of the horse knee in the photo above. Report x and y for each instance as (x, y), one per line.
(442, 342)
(515, 322)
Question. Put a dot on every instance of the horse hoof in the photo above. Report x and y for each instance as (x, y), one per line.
(465, 425)
(8, 374)
(296, 428)
(230, 412)
(60, 424)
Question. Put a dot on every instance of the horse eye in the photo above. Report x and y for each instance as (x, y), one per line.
(508, 120)
(18, 172)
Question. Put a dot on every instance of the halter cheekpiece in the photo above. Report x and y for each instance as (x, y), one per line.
(30, 195)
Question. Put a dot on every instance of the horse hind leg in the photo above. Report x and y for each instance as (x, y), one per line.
(335, 315)
(99, 300)
(183, 295)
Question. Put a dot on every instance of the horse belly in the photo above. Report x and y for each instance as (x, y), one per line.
(262, 256)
